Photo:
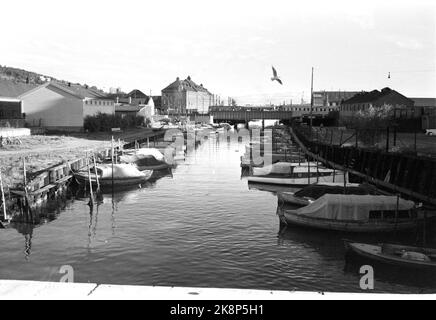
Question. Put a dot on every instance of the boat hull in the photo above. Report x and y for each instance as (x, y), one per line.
(108, 182)
(374, 252)
(375, 226)
(338, 177)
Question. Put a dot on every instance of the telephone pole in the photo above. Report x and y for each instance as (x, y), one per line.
(311, 103)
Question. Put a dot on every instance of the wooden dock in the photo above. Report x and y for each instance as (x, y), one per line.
(410, 176)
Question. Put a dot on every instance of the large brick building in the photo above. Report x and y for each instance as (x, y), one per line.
(403, 107)
(186, 97)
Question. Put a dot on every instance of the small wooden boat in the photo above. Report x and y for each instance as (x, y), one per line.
(282, 167)
(393, 254)
(310, 193)
(123, 175)
(301, 176)
(145, 159)
(354, 213)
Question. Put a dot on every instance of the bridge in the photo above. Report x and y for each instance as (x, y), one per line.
(246, 115)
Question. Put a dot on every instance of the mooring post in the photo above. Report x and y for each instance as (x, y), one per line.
(28, 212)
(5, 216)
(112, 160)
(308, 170)
(357, 141)
(317, 171)
(397, 210)
(96, 175)
(91, 195)
(387, 139)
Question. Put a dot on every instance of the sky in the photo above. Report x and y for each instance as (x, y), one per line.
(228, 46)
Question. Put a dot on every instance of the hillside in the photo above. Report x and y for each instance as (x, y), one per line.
(20, 75)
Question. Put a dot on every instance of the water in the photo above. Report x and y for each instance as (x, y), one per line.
(200, 227)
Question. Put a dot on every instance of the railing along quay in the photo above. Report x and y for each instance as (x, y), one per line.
(408, 175)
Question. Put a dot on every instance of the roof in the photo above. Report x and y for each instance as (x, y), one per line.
(364, 97)
(424, 102)
(136, 94)
(188, 85)
(127, 108)
(85, 92)
(76, 91)
(12, 89)
(335, 95)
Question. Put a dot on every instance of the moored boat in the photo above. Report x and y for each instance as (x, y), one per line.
(301, 176)
(310, 193)
(145, 159)
(394, 254)
(354, 213)
(121, 175)
(281, 167)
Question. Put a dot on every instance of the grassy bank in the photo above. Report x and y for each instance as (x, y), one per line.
(43, 152)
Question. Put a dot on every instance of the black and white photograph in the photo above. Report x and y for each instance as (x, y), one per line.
(217, 150)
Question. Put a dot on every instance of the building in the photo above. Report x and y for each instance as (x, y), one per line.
(186, 97)
(10, 105)
(403, 106)
(426, 105)
(331, 99)
(57, 106)
(428, 108)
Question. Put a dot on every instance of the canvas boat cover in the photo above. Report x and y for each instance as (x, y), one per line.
(351, 207)
(120, 171)
(143, 153)
(281, 168)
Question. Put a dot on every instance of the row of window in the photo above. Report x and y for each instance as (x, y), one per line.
(313, 110)
(356, 107)
(99, 103)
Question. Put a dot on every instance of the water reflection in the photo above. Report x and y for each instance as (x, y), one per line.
(25, 229)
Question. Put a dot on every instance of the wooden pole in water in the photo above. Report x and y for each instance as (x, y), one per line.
(345, 182)
(96, 175)
(91, 194)
(28, 212)
(112, 160)
(5, 217)
(308, 171)
(317, 171)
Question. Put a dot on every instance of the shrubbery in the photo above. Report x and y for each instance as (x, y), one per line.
(370, 123)
(105, 122)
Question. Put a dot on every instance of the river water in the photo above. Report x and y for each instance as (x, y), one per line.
(201, 226)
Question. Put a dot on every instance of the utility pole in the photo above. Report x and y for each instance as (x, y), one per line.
(311, 103)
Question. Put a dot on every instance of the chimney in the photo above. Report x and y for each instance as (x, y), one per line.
(177, 79)
(189, 78)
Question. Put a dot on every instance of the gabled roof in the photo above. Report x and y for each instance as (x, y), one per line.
(76, 91)
(137, 94)
(365, 97)
(186, 85)
(12, 89)
(424, 102)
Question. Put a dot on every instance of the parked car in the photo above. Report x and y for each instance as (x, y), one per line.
(430, 132)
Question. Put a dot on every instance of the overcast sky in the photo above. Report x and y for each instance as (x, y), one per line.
(227, 45)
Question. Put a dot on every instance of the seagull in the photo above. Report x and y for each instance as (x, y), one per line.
(276, 77)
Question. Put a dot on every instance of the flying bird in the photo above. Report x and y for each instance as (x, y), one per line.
(275, 76)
